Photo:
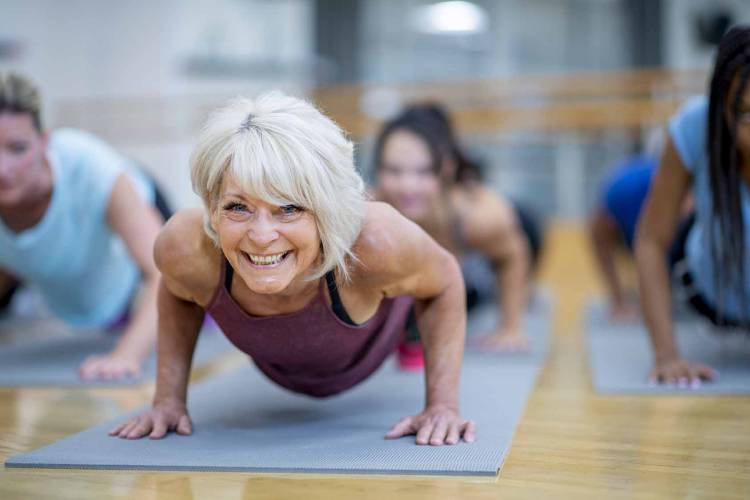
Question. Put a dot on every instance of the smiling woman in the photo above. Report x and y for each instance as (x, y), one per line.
(299, 271)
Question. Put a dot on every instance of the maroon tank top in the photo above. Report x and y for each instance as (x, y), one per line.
(311, 351)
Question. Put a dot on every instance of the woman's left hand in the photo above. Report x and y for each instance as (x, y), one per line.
(110, 366)
(435, 426)
(503, 340)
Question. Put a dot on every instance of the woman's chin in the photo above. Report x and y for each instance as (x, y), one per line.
(268, 285)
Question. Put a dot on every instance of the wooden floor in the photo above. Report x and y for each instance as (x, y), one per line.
(570, 442)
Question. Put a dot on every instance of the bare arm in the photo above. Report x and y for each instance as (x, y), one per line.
(138, 224)
(605, 240)
(493, 229)
(656, 230)
(408, 262)
(185, 285)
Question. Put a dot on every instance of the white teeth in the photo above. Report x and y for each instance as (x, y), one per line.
(266, 260)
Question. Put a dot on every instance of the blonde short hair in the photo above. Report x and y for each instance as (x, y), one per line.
(282, 150)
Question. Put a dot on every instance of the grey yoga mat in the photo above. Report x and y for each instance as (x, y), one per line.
(53, 360)
(620, 356)
(242, 422)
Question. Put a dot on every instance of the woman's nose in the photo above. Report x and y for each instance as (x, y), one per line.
(263, 231)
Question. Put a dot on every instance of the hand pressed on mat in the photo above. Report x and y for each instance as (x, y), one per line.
(503, 340)
(624, 311)
(157, 422)
(110, 366)
(435, 426)
(681, 373)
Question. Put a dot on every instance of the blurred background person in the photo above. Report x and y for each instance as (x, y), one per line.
(77, 224)
(423, 172)
(708, 151)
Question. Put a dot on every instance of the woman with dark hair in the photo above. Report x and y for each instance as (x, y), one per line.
(423, 172)
(708, 152)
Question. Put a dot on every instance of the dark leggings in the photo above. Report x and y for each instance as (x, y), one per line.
(532, 229)
(696, 300)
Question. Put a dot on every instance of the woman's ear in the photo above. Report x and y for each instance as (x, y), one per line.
(213, 213)
(448, 170)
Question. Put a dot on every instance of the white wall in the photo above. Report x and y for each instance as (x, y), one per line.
(117, 68)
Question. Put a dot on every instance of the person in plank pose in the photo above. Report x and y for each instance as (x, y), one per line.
(708, 154)
(78, 222)
(300, 271)
(424, 173)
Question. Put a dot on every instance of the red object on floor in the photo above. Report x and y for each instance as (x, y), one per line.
(410, 356)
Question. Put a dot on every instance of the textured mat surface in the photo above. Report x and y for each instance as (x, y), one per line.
(244, 423)
(52, 356)
(620, 356)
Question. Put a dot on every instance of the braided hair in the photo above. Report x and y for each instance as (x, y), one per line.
(731, 69)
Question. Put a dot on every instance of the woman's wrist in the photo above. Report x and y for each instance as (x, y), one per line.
(169, 400)
(666, 355)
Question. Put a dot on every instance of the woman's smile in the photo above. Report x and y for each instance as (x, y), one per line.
(267, 261)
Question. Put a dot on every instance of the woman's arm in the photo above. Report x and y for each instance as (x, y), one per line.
(179, 324)
(401, 259)
(492, 228)
(137, 224)
(606, 238)
(185, 284)
(656, 230)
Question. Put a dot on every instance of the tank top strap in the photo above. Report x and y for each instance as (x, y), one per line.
(227, 272)
(225, 281)
(336, 304)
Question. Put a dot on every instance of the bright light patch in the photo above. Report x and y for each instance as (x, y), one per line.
(455, 17)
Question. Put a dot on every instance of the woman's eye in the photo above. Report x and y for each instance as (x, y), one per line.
(18, 148)
(290, 209)
(235, 207)
(743, 116)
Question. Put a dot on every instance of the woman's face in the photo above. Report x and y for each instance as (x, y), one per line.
(406, 178)
(22, 150)
(270, 247)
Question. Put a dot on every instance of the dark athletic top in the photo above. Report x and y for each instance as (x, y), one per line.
(311, 351)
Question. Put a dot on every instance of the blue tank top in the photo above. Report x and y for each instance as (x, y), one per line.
(688, 130)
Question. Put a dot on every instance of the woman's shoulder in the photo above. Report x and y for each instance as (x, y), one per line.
(385, 236)
(380, 222)
(483, 213)
(188, 259)
(687, 130)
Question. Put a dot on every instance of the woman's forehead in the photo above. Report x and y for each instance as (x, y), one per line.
(231, 187)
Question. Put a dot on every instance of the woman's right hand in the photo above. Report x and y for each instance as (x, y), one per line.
(681, 373)
(157, 422)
